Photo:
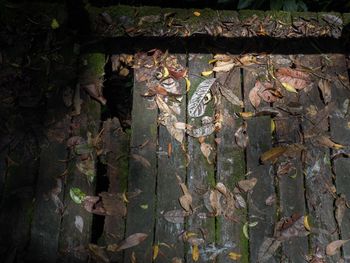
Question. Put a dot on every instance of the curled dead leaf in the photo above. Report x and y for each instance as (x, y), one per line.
(247, 185)
(333, 247)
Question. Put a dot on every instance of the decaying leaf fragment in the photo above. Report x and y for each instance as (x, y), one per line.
(265, 91)
(333, 247)
(196, 105)
(230, 96)
(341, 205)
(247, 185)
(325, 87)
(241, 136)
(186, 199)
(234, 255)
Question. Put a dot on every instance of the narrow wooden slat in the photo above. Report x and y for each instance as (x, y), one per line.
(340, 133)
(259, 132)
(49, 191)
(291, 185)
(168, 190)
(231, 168)
(72, 242)
(117, 171)
(142, 172)
(317, 168)
(200, 174)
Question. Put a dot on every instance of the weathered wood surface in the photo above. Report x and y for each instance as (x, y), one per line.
(317, 167)
(171, 163)
(76, 221)
(117, 143)
(142, 173)
(259, 132)
(200, 174)
(291, 185)
(340, 132)
(231, 168)
(48, 206)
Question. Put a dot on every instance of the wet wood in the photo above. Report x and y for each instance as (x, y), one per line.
(143, 173)
(171, 163)
(200, 174)
(340, 132)
(48, 206)
(231, 168)
(117, 143)
(291, 184)
(77, 222)
(317, 167)
(259, 132)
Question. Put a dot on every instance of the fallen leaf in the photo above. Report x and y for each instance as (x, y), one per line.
(176, 260)
(207, 73)
(341, 205)
(195, 253)
(196, 106)
(254, 97)
(333, 247)
(325, 87)
(326, 141)
(246, 115)
(215, 204)
(196, 13)
(144, 206)
(142, 160)
(273, 126)
(206, 149)
(54, 23)
(285, 168)
(292, 79)
(268, 249)
(270, 200)
(234, 256)
(188, 84)
(131, 241)
(247, 185)
(176, 216)
(186, 202)
(230, 96)
(79, 223)
(98, 253)
(306, 223)
(241, 136)
(77, 195)
(245, 228)
(273, 154)
(155, 252)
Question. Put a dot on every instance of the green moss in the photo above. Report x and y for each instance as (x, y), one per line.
(283, 16)
(246, 14)
(346, 19)
(305, 15)
(93, 63)
(244, 247)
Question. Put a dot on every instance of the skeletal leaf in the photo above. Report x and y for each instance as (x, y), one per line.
(325, 87)
(196, 106)
(247, 185)
(195, 253)
(131, 241)
(241, 136)
(234, 256)
(273, 154)
(175, 216)
(333, 247)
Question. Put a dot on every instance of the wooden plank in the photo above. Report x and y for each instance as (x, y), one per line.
(73, 238)
(231, 168)
(259, 132)
(117, 141)
(317, 168)
(142, 175)
(49, 191)
(340, 132)
(200, 174)
(170, 166)
(291, 185)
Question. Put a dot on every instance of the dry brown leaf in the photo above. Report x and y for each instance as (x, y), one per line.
(175, 216)
(254, 97)
(341, 206)
(326, 141)
(131, 241)
(247, 185)
(141, 160)
(325, 87)
(186, 202)
(206, 149)
(241, 136)
(273, 154)
(333, 247)
(98, 253)
(214, 199)
(293, 78)
(223, 66)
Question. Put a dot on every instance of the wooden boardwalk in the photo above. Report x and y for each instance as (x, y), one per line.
(256, 169)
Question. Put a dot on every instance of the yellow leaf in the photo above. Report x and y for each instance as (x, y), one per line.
(54, 24)
(195, 253)
(234, 256)
(166, 72)
(188, 84)
(212, 61)
(125, 199)
(306, 223)
(207, 73)
(273, 126)
(272, 154)
(196, 13)
(155, 251)
(247, 114)
(289, 87)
